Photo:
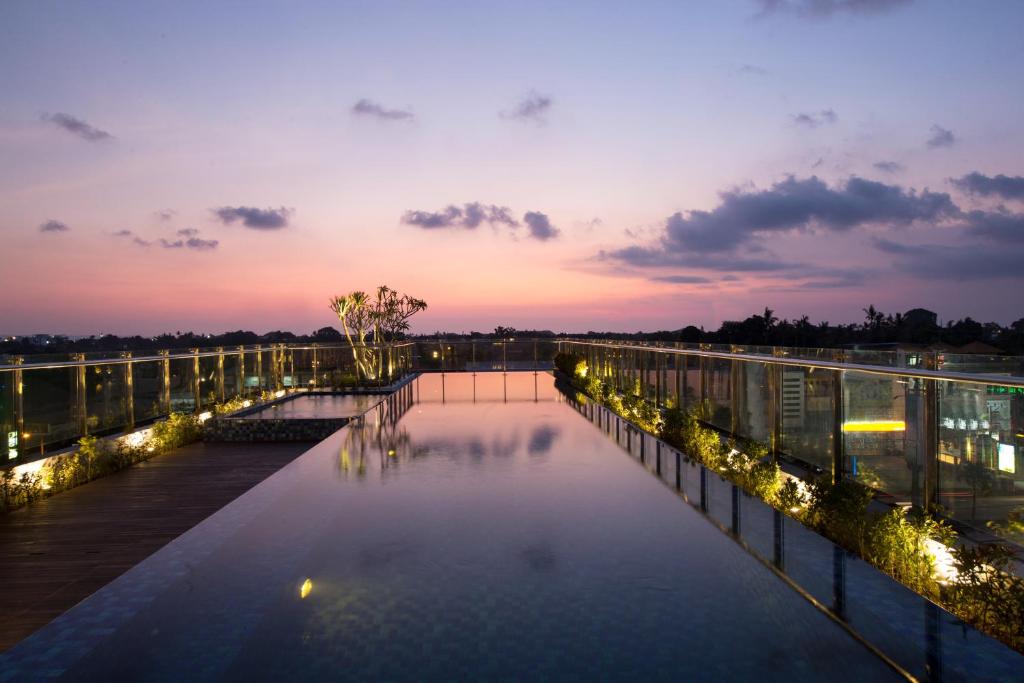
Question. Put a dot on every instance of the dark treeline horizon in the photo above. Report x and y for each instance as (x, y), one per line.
(917, 327)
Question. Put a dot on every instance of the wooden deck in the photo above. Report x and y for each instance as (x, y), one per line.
(58, 551)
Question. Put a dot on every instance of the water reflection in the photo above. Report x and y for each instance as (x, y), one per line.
(542, 439)
(380, 434)
(917, 635)
(485, 387)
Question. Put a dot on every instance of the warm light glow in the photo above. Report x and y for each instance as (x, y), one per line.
(138, 439)
(203, 417)
(280, 393)
(305, 589)
(875, 426)
(246, 403)
(32, 469)
(945, 567)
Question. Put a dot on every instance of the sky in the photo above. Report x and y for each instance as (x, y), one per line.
(551, 165)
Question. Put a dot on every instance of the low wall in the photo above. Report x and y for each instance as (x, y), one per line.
(242, 429)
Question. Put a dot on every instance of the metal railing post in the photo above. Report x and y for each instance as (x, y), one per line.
(197, 390)
(220, 374)
(930, 449)
(837, 426)
(734, 396)
(259, 368)
(240, 372)
(129, 390)
(316, 380)
(775, 406)
(702, 369)
(81, 409)
(19, 410)
(165, 382)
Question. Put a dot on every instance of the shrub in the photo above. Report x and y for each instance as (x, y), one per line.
(573, 365)
(764, 480)
(176, 431)
(985, 592)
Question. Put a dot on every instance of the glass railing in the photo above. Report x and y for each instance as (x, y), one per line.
(920, 428)
(49, 401)
(917, 638)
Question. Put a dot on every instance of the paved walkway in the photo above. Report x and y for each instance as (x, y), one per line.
(58, 551)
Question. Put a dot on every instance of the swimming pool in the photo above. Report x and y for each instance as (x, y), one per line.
(315, 406)
(473, 527)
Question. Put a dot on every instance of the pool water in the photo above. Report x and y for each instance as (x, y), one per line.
(315, 406)
(472, 528)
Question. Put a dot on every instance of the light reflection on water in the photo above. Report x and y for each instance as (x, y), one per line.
(473, 528)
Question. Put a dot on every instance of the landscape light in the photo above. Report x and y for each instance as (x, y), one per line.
(875, 426)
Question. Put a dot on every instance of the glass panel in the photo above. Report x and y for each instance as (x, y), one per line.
(882, 421)
(981, 459)
(753, 401)
(719, 379)
(51, 419)
(146, 386)
(232, 385)
(807, 416)
(209, 391)
(182, 394)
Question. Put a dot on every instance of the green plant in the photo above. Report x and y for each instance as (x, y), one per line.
(176, 431)
(764, 480)
(790, 497)
(986, 593)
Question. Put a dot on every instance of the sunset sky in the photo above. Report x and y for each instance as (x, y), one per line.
(572, 166)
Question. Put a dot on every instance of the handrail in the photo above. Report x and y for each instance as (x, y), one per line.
(943, 375)
(204, 353)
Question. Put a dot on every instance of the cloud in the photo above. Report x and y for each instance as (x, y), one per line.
(257, 219)
(53, 226)
(191, 243)
(469, 216)
(941, 137)
(954, 263)
(77, 127)
(188, 232)
(821, 118)
(658, 256)
(751, 70)
(1006, 187)
(819, 9)
(372, 109)
(888, 166)
(682, 279)
(165, 214)
(997, 226)
(539, 225)
(123, 233)
(788, 206)
(201, 245)
(533, 107)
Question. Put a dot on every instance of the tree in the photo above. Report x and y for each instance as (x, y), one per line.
(978, 478)
(384, 319)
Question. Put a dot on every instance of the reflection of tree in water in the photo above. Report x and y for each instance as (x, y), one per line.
(378, 431)
(542, 439)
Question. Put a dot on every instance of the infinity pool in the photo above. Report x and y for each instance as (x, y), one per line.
(308, 406)
(473, 528)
